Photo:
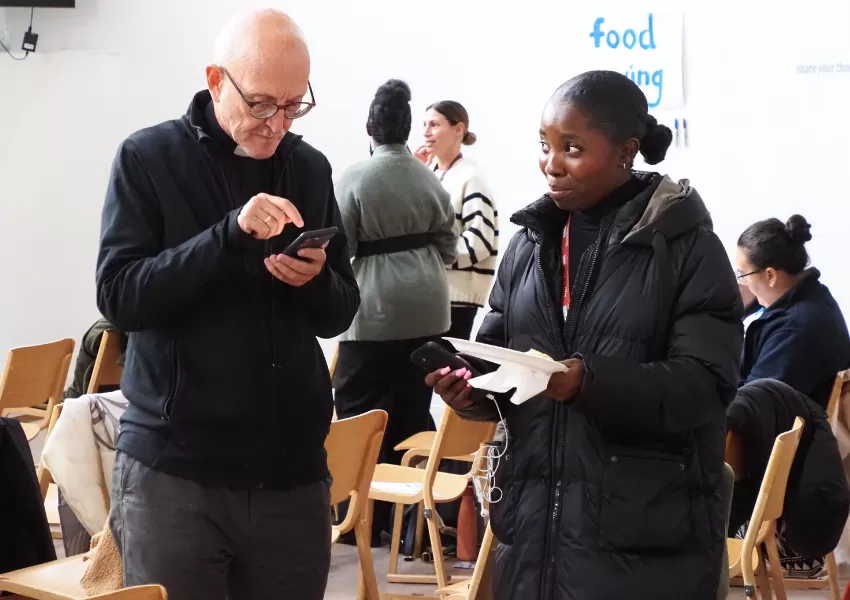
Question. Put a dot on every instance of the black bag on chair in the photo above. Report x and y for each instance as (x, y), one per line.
(24, 531)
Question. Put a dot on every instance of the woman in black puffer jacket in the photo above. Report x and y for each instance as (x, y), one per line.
(611, 478)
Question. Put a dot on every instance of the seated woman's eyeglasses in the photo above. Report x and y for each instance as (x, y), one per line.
(740, 275)
(266, 110)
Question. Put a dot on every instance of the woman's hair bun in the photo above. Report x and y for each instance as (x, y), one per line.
(469, 138)
(396, 89)
(389, 115)
(655, 142)
(798, 229)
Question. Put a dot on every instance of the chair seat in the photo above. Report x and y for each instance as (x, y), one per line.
(57, 580)
(734, 547)
(403, 485)
(461, 588)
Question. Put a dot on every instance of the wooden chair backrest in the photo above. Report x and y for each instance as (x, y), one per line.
(143, 592)
(106, 370)
(771, 498)
(44, 476)
(837, 389)
(353, 446)
(455, 437)
(35, 374)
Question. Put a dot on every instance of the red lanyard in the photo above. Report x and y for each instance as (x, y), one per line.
(565, 256)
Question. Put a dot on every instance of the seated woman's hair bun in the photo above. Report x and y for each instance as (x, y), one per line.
(798, 229)
(655, 142)
(469, 138)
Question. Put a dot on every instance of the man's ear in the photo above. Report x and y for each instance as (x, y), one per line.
(214, 79)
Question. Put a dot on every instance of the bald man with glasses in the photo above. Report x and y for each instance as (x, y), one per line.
(221, 485)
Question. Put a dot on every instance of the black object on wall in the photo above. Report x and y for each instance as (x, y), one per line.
(39, 3)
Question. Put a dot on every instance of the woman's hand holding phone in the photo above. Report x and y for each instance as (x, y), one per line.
(452, 386)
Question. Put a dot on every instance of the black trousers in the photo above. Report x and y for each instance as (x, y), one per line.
(380, 375)
(463, 318)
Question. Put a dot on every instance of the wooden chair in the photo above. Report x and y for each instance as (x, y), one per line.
(106, 370)
(60, 580)
(44, 476)
(405, 485)
(745, 556)
(353, 446)
(33, 375)
(57, 580)
(45, 480)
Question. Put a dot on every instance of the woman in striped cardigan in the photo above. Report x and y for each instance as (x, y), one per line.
(471, 276)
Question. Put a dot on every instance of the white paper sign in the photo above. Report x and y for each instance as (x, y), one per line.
(644, 46)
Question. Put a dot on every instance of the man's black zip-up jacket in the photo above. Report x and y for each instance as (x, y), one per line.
(226, 381)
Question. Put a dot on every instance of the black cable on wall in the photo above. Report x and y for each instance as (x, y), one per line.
(6, 48)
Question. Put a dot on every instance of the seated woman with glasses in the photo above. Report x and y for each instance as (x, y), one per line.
(799, 335)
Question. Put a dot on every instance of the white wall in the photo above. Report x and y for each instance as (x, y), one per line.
(764, 141)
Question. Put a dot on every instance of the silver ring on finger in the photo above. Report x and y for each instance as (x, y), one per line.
(267, 219)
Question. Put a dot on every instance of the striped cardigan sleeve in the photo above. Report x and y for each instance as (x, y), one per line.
(477, 220)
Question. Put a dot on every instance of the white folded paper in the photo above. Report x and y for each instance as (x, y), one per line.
(528, 382)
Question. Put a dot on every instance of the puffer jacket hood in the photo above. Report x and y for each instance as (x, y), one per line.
(673, 210)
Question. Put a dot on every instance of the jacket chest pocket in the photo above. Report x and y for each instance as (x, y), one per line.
(646, 501)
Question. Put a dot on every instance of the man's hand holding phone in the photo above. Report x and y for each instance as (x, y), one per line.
(265, 216)
(297, 271)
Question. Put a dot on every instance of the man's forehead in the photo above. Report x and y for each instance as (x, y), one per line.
(273, 81)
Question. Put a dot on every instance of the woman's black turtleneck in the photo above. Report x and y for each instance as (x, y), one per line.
(584, 226)
(246, 177)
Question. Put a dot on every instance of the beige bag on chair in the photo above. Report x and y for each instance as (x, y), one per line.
(104, 570)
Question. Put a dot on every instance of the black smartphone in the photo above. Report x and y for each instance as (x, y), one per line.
(433, 357)
(311, 239)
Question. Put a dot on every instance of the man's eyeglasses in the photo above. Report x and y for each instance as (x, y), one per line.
(266, 110)
(740, 275)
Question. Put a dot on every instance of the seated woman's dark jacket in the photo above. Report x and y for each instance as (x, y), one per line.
(801, 340)
(817, 499)
(607, 495)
